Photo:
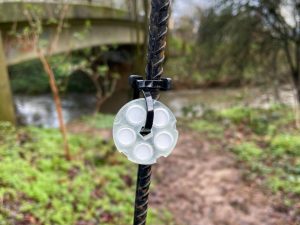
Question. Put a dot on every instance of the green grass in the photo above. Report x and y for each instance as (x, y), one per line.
(284, 156)
(99, 120)
(265, 141)
(37, 183)
(209, 128)
(286, 144)
(237, 114)
(260, 121)
(248, 151)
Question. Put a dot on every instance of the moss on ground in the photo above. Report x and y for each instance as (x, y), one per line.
(211, 129)
(266, 141)
(99, 120)
(38, 186)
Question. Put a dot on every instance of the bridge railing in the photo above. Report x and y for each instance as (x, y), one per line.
(126, 5)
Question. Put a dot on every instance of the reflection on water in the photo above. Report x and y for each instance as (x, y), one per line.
(40, 110)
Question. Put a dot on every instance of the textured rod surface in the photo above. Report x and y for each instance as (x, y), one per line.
(142, 193)
(158, 29)
(157, 39)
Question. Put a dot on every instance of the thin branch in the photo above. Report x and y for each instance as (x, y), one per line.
(35, 24)
(57, 101)
(58, 28)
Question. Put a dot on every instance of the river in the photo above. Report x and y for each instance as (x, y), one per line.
(40, 110)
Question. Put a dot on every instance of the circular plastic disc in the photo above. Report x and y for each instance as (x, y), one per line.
(143, 152)
(126, 136)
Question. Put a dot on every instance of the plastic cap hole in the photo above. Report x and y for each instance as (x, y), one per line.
(136, 115)
(126, 136)
(161, 117)
(143, 152)
(163, 141)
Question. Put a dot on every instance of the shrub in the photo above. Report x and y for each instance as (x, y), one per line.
(287, 184)
(236, 114)
(286, 143)
(248, 151)
(260, 121)
(210, 128)
(100, 120)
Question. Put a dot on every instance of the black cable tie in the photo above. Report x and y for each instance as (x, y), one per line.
(150, 113)
(146, 86)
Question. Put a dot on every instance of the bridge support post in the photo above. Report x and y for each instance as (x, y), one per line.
(7, 112)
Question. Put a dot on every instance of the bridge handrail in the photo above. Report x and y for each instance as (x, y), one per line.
(116, 4)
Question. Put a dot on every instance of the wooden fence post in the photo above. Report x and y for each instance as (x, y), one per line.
(7, 112)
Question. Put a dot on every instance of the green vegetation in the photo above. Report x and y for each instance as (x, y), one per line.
(236, 43)
(265, 141)
(30, 78)
(99, 120)
(210, 128)
(248, 151)
(286, 144)
(73, 73)
(260, 121)
(38, 186)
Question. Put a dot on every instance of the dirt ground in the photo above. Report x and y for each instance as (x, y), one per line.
(201, 185)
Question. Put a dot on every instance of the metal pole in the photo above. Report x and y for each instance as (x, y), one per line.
(158, 29)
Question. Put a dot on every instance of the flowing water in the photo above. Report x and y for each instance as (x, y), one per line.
(40, 110)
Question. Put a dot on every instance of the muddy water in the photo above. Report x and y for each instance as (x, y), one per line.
(40, 110)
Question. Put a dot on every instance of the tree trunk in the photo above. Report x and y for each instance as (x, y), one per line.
(7, 112)
(297, 107)
(100, 103)
(57, 102)
(295, 78)
(139, 58)
(297, 93)
(296, 82)
(274, 78)
(276, 88)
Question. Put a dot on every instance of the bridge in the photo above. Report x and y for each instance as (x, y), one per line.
(89, 23)
(110, 22)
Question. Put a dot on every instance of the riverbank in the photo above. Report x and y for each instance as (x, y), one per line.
(237, 166)
(234, 166)
(40, 110)
(201, 184)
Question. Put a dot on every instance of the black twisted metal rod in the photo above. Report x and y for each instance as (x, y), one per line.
(142, 193)
(158, 29)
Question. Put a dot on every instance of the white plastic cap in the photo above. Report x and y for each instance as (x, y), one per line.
(136, 115)
(161, 117)
(144, 149)
(143, 152)
(126, 136)
(163, 141)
